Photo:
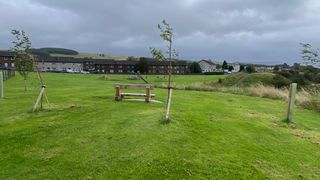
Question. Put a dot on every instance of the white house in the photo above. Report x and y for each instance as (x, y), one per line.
(207, 66)
(60, 66)
(236, 67)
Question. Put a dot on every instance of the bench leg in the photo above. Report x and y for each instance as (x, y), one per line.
(118, 94)
(148, 95)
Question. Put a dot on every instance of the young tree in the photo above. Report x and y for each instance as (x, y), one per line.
(310, 55)
(166, 33)
(23, 57)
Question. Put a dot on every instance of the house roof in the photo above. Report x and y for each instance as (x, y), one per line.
(208, 61)
(6, 53)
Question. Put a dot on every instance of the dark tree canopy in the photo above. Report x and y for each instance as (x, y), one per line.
(141, 66)
(241, 68)
(224, 65)
(195, 67)
(250, 69)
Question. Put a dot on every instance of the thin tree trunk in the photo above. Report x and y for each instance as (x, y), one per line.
(169, 81)
(25, 84)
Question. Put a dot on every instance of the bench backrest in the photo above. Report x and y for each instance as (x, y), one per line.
(134, 86)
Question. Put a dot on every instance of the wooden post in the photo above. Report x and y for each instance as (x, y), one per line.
(1, 86)
(292, 98)
(39, 98)
(118, 95)
(169, 103)
(148, 94)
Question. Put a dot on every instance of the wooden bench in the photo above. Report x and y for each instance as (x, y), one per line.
(120, 95)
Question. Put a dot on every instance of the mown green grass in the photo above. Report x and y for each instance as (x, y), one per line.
(85, 133)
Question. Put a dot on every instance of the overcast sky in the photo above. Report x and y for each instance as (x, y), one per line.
(260, 31)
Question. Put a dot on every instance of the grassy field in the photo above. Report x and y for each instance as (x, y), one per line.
(85, 134)
(91, 55)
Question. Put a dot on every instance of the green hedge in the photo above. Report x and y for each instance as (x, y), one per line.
(214, 73)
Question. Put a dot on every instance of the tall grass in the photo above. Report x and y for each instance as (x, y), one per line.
(306, 98)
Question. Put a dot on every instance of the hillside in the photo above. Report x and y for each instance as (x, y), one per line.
(244, 79)
(62, 52)
(48, 51)
(85, 134)
(91, 55)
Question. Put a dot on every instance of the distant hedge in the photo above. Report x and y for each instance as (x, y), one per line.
(214, 73)
(47, 51)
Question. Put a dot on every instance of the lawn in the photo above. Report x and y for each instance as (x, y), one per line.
(85, 134)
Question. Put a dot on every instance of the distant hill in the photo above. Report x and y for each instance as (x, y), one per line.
(62, 52)
(48, 51)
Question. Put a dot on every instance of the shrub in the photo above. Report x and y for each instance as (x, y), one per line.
(279, 81)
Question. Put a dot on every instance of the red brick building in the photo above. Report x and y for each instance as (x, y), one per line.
(6, 60)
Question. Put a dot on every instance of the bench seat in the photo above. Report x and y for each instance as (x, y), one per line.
(147, 95)
(136, 94)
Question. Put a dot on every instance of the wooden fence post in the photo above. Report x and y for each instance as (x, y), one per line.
(1, 86)
(292, 98)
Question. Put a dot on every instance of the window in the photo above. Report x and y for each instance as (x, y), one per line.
(119, 66)
(12, 64)
(12, 58)
(111, 71)
(120, 70)
(111, 67)
(5, 58)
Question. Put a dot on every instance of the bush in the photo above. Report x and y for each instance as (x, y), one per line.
(317, 78)
(279, 81)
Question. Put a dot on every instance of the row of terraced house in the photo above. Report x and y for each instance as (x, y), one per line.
(68, 64)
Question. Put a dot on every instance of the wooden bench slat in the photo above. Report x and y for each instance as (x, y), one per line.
(136, 94)
(134, 86)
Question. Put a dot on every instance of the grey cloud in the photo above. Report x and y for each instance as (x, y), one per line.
(265, 31)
